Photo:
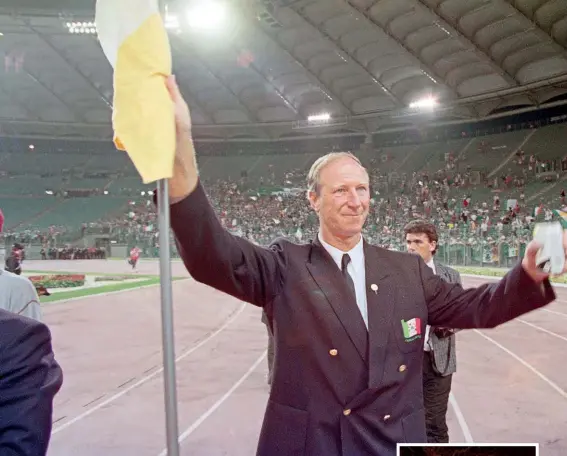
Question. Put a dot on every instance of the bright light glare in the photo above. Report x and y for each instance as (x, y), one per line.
(318, 117)
(171, 21)
(424, 103)
(207, 15)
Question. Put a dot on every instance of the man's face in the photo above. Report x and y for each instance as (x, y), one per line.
(421, 245)
(344, 198)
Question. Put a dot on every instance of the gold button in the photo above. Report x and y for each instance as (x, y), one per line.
(346, 412)
(334, 352)
(386, 417)
(402, 368)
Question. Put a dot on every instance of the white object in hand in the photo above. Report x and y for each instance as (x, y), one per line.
(551, 257)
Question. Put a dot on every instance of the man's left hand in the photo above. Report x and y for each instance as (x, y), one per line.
(529, 261)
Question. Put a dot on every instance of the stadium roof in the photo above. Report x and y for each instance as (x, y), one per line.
(276, 62)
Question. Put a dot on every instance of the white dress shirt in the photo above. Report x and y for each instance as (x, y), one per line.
(426, 345)
(19, 295)
(357, 270)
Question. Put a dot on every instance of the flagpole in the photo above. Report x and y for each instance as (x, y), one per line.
(168, 339)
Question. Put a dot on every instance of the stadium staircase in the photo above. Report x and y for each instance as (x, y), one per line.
(31, 220)
(513, 153)
(541, 195)
(406, 158)
(464, 149)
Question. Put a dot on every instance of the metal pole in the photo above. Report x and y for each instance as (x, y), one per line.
(168, 339)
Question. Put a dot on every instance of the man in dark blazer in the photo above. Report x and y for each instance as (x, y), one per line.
(440, 360)
(348, 318)
(29, 380)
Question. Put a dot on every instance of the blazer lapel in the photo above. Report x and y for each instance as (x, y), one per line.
(329, 278)
(441, 271)
(380, 298)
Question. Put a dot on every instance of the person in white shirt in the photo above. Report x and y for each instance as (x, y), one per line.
(440, 362)
(18, 294)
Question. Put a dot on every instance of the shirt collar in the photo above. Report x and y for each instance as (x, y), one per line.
(431, 264)
(356, 253)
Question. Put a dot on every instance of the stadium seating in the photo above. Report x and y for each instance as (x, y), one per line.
(36, 192)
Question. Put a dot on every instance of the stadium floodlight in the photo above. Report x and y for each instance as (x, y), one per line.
(319, 117)
(81, 28)
(206, 15)
(424, 103)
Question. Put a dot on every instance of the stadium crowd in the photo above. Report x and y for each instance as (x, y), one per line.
(467, 206)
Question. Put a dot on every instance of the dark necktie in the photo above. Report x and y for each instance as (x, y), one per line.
(344, 263)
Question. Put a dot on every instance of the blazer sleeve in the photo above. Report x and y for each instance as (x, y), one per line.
(456, 276)
(217, 258)
(29, 380)
(486, 306)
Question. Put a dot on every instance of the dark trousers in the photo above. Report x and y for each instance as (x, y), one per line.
(436, 391)
(270, 347)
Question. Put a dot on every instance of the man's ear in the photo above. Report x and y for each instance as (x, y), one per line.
(433, 246)
(314, 201)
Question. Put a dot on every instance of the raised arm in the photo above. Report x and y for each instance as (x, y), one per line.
(486, 306)
(210, 253)
(29, 379)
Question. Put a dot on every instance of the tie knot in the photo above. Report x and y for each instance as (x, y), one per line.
(345, 261)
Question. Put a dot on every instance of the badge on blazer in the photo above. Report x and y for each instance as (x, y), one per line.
(412, 329)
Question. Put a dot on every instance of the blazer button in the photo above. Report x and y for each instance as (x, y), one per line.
(346, 412)
(386, 417)
(402, 368)
(333, 352)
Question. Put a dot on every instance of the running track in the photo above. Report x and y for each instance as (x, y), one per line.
(510, 387)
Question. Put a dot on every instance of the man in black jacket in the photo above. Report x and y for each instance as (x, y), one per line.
(29, 380)
(347, 317)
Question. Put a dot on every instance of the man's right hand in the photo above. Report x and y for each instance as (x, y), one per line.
(185, 174)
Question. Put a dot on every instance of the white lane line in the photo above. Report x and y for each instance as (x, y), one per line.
(485, 278)
(218, 403)
(98, 295)
(461, 419)
(539, 328)
(562, 392)
(555, 312)
(150, 376)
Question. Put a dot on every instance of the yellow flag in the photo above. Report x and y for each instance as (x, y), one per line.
(133, 38)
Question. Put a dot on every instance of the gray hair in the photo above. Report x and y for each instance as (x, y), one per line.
(316, 168)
